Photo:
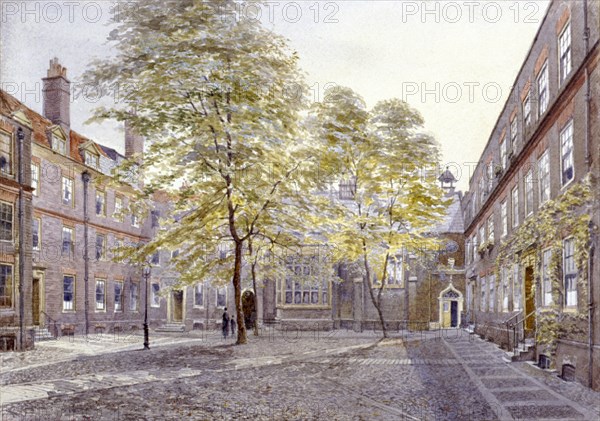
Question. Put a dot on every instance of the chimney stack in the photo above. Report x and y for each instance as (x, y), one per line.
(134, 143)
(57, 95)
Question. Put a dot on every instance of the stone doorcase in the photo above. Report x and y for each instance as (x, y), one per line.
(446, 308)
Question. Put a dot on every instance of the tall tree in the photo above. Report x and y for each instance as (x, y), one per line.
(390, 195)
(218, 97)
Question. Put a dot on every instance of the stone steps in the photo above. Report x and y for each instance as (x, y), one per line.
(171, 327)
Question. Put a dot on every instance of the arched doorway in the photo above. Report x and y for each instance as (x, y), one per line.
(451, 307)
(249, 308)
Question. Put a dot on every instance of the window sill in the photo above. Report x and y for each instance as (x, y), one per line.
(571, 310)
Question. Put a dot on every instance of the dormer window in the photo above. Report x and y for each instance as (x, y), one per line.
(91, 159)
(347, 189)
(59, 145)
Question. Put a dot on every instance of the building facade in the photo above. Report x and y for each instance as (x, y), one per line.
(531, 213)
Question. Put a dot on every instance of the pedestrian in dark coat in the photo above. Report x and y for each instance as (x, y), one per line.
(225, 326)
(233, 325)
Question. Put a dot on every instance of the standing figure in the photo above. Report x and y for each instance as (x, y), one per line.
(225, 326)
(233, 326)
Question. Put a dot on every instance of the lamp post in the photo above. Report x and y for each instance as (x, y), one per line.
(146, 274)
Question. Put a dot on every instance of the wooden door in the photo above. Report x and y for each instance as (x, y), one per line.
(177, 306)
(35, 301)
(529, 301)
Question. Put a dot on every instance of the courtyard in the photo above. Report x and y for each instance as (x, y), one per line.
(284, 375)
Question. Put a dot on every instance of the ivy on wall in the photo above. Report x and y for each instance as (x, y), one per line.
(566, 216)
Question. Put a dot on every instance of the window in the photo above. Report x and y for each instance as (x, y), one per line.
(528, 192)
(566, 153)
(490, 176)
(67, 191)
(492, 281)
(6, 286)
(6, 153)
(481, 234)
(515, 206)
(490, 229)
(174, 254)
(155, 215)
(118, 250)
(482, 191)
(91, 159)
(68, 244)
(118, 213)
(542, 85)
(100, 295)
(347, 189)
(503, 156)
(513, 134)
(505, 274)
(504, 219)
(59, 145)
(483, 294)
(6, 221)
(68, 293)
(100, 203)
(517, 288)
(544, 177)
(155, 259)
(199, 295)
(302, 286)
(155, 298)
(118, 296)
(546, 278)
(35, 178)
(35, 233)
(564, 51)
(100, 247)
(134, 220)
(527, 110)
(475, 245)
(222, 297)
(133, 296)
(395, 271)
(570, 272)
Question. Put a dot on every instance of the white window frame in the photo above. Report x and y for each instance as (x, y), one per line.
(514, 131)
(547, 299)
(514, 206)
(503, 154)
(528, 183)
(490, 229)
(8, 287)
(100, 198)
(69, 306)
(102, 249)
(483, 289)
(565, 64)
(11, 154)
(544, 177)
(118, 211)
(71, 253)
(517, 288)
(100, 306)
(92, 160)
(134, 296)
(199, 286)
(35, 178)
(68, 186)
(3, 222)
(570, 273)
(224, 294)
(543, 90)
(504, 219)
(38, 223)
(154, 295)
(527, 110)
(59, 145)
(505, 288)
(118, 304)
(566, 153)
(492, 292)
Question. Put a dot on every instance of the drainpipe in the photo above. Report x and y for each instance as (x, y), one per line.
(86, 177)
(588, 161)
(21, 217)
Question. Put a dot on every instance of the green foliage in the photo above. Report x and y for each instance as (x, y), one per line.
(567, 215)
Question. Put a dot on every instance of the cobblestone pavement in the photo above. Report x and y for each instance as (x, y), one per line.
(336, 376)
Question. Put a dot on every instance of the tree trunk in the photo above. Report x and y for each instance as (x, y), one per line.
(255, 321)
(237, 292)
(374, 300)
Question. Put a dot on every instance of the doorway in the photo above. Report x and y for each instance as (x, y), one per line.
(35, 301)
(453, 313)
(529, 302)
(177, 315)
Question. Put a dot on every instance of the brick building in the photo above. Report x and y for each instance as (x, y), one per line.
(16, 133)
(531, 213)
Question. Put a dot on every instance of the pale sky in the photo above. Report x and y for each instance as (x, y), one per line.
(454, 61)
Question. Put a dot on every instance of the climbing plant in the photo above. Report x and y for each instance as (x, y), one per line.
(566, 216)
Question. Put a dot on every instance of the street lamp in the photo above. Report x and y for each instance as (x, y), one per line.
(146, 274)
